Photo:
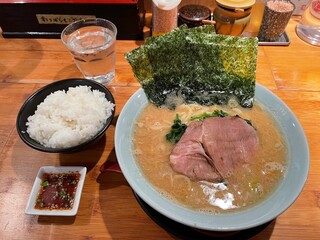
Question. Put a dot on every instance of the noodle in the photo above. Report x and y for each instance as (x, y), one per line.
(248, 185)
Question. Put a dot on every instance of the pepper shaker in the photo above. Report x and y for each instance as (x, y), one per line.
(276, 16)
(164, 16)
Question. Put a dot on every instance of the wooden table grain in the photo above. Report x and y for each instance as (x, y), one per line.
(108, 208)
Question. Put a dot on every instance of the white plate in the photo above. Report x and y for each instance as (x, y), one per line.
(30, 209)
(285, 195)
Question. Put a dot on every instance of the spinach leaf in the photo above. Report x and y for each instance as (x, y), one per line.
(177, 130)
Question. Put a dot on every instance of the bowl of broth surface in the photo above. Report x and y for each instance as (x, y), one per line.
(284, 192)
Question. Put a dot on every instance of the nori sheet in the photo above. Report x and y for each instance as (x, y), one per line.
(198, 65)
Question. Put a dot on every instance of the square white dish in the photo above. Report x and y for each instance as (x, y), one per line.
(30, 208)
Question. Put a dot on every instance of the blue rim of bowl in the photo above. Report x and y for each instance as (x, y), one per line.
(254, 216)
(43, 92)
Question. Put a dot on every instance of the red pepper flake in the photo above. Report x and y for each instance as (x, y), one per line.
(57, 191)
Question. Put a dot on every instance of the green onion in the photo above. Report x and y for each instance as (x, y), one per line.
(45, 184)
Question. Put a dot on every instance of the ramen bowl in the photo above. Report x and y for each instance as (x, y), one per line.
(263, 212)
(30, 106)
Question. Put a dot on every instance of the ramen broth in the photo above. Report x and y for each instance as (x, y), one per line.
(249, 183)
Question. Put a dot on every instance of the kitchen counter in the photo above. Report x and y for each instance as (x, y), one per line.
(108, 207)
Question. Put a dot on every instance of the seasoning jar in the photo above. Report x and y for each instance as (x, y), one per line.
(276, 16)
(193, 15)
(232, 16)
(164, 16)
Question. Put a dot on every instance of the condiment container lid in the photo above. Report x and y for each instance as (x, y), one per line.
(166, 4)
(232, 4)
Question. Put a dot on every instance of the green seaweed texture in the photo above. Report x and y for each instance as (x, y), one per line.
(198, 65)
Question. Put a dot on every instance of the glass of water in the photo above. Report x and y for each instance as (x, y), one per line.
(92, 45)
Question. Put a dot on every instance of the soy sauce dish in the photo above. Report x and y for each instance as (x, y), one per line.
(56, 191)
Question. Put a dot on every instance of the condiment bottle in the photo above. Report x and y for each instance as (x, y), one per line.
(232, 16)
(164, 16)
(277, 14)
(193, 15)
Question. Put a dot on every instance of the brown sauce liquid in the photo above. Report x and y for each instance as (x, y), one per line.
(249, 183)
(57, 191)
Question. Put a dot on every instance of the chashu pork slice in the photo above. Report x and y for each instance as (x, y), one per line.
(210, 150)
(229, 142)
(189, 158)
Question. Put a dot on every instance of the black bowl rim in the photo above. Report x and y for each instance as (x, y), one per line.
(62, 85)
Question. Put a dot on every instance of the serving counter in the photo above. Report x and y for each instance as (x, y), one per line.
(109, 208)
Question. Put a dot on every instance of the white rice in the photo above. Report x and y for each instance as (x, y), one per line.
(66, 119)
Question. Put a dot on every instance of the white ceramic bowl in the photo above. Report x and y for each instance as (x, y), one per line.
(30, 208)
(281, 199)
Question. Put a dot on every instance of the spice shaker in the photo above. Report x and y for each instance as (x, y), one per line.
(164, 16)
(193, 15)
(277, 14)
(232, 16)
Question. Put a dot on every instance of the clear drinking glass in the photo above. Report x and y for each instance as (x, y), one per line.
(308, 29)
(92, 45)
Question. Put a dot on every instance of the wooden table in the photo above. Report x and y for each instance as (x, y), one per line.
(108, 208)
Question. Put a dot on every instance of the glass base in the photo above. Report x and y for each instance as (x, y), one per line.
(309, 34)
(103, 79)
